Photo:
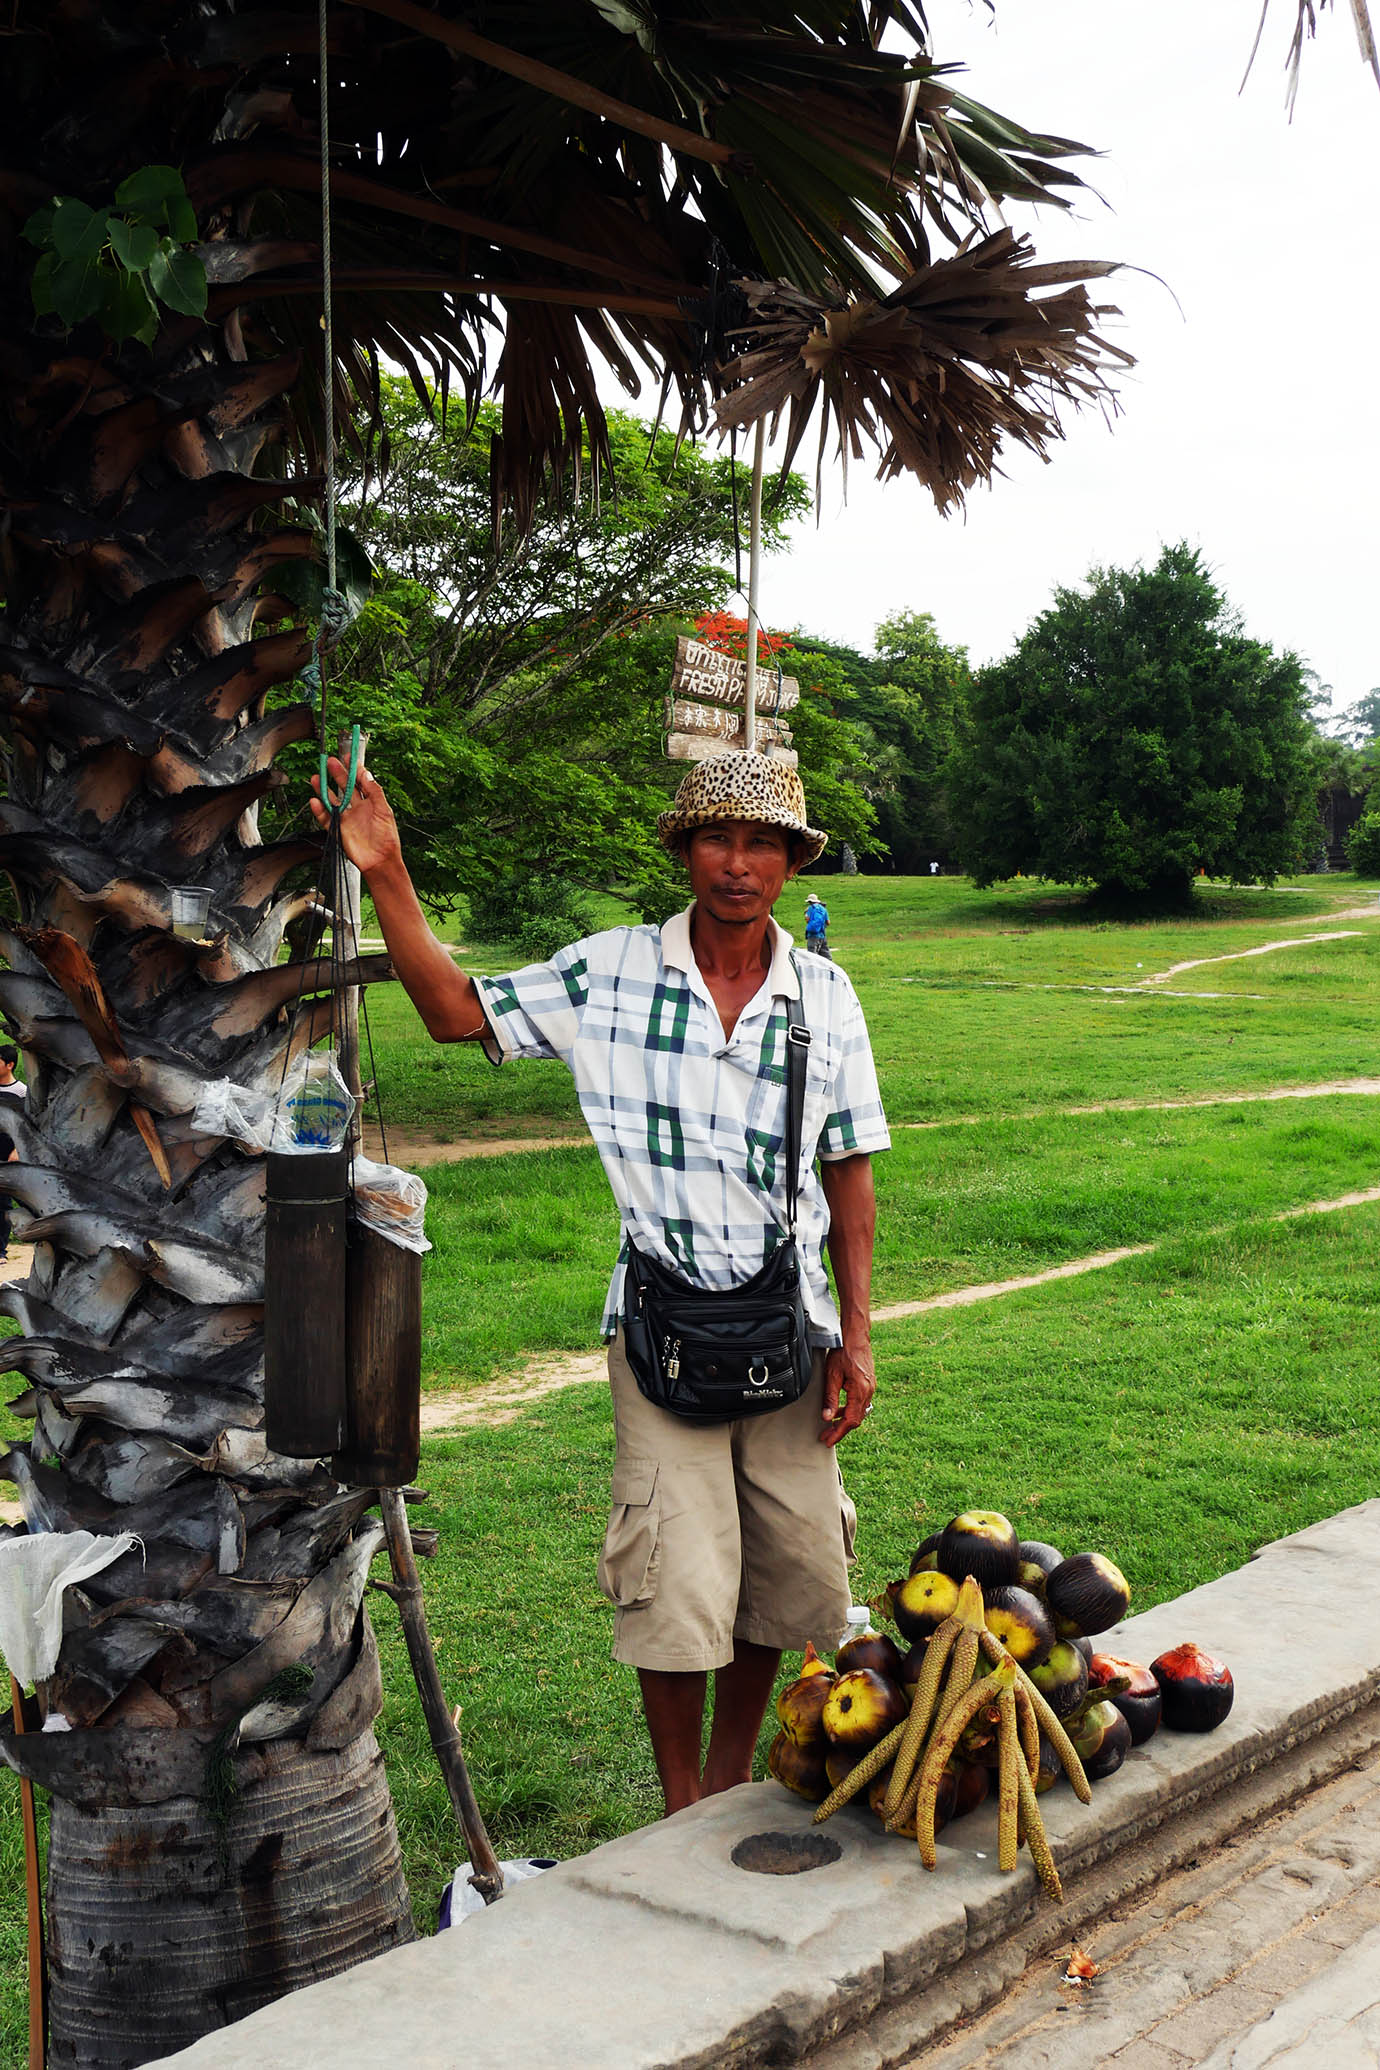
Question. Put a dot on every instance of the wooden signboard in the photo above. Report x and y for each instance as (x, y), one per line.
(704, 674)
(706, 708)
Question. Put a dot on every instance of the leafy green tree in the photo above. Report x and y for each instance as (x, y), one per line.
(513, 687)
(1135, 736)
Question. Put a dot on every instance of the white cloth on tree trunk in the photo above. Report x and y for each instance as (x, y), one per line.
(34, 1573)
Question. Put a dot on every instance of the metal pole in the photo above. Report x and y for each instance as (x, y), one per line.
(754, 566)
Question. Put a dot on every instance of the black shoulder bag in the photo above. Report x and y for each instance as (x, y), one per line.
(710, 1357)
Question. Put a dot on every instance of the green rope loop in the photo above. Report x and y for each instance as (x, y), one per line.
(350, 783)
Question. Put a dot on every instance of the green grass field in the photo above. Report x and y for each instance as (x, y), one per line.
(1176, 1410)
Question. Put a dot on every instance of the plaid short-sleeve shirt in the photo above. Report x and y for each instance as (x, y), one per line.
(690, 1125)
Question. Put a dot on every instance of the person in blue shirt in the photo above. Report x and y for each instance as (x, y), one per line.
(817, 925)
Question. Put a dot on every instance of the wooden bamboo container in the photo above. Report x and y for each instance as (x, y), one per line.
(307, 1197)
(382, 1443)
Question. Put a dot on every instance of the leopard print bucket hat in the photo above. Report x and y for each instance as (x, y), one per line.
(742, 786)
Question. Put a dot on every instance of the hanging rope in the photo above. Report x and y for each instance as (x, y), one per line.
(331, 889)
(323, 72)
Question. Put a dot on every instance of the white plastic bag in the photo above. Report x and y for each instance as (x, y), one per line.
(227, 1109)
(392, 1202)
(34, 1575)
(460, 1900)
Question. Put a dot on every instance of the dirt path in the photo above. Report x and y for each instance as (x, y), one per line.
(414, 1148)
(1325, 1089)
(1301, 941)
(504, 1400)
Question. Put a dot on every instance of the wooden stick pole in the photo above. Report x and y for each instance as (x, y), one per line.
(442, 1722)
(348, 923)
(38, 1965)
(754, 569)
(406, 1587)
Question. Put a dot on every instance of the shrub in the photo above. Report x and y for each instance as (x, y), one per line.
(539, 914)
(1363, 846)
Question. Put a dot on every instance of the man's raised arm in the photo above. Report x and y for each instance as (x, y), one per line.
(444, 996)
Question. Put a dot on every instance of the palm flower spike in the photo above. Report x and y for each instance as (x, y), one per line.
(954, 1644)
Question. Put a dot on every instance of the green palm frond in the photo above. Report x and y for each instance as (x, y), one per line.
(524, 190)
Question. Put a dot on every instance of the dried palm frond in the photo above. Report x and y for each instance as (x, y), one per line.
(1306, 25)
(963, 356)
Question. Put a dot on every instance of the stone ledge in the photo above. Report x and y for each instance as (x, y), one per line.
(655, 1953)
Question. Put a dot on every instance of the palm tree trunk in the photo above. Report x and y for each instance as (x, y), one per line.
(221, 1829)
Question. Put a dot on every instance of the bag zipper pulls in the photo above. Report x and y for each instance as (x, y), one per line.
(671, 1353)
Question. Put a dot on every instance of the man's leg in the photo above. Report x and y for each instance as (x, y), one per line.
(741, 1691)
(674, 1708)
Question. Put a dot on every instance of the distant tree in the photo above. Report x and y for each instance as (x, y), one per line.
(1360, 722)
(1135, 736)
(916, 710)
(903, 705)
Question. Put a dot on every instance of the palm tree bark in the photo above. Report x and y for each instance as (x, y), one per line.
(222, 1778)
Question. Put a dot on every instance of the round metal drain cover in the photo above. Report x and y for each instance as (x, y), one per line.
(785, 1854)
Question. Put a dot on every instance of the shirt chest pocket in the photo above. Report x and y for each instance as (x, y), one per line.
(820, 1070)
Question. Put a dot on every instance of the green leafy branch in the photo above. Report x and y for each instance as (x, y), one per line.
(117, 264)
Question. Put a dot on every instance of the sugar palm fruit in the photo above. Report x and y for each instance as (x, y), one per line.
(839, 1762)
(982, 1543)
(800, 1769)
(945, 1806)
(972, 1785)
(925, 1558)
(1035, 1562)
(1196, 1691)
(800, 1706)
(1086, 1595)
(1022, 1623)
(1051, 1768)
(1101, 1739)
(1062, 1678)
(869, 1649)
(912, 1665)
(921, 1603)
(861, 1708)
(1138, 1703)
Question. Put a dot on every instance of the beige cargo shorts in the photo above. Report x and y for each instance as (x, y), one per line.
(724, 1531)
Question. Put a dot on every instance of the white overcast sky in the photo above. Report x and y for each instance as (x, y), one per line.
(1249, 423)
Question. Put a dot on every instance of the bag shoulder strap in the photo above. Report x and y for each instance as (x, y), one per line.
(797, 1051)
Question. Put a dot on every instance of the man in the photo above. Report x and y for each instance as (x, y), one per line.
(727, 1544)
(817, 925)
(13, 1093)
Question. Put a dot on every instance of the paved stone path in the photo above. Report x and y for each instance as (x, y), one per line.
(1264, 1956)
